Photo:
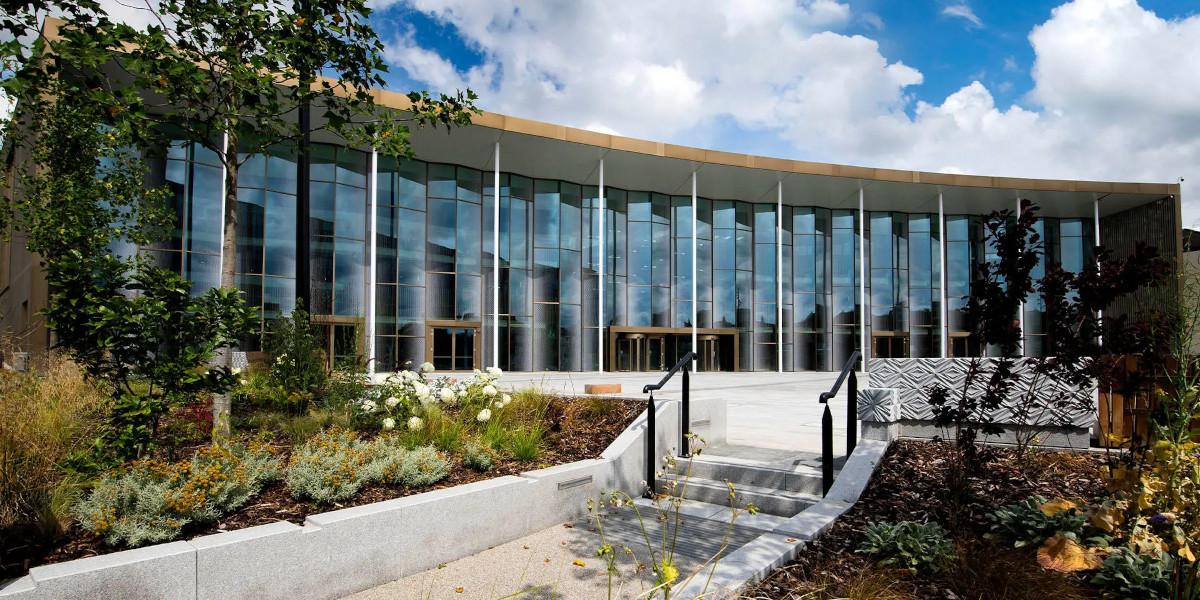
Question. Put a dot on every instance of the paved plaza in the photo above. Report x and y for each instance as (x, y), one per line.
(767, 410)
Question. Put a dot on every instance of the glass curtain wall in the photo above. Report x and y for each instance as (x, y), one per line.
(1068, 243)
(704, 263)
(888, 233)
(733, 269)
(846, 308)
(266, 237)
(193, 175)
(925, 287)
(787, 273)
(591, 277)
(962, 238)
(681, 278)
(400, 265)
(810, 288)
(765, 302)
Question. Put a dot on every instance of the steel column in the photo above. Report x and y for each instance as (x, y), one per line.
(372, 260)
(496, 259)
(603, 257)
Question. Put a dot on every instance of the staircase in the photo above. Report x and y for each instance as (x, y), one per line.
(780, 483)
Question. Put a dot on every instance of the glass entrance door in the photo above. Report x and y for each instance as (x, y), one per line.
(710, 353)
(452, 346)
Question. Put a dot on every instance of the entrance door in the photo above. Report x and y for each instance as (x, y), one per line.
(710, 353)
(452, 346)
(656, 353)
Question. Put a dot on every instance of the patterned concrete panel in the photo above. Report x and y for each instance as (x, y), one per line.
(913, 378)
(880, 405)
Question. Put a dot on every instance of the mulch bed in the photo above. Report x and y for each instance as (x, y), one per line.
(910, 485)
(576, 434)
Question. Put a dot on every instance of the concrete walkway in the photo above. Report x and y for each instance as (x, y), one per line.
(767, 410)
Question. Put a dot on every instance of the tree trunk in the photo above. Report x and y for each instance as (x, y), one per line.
(222, 404)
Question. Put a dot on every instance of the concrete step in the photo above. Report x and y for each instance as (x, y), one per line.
(800, 478)
(761, 522)
(698, 537)
(769, 500)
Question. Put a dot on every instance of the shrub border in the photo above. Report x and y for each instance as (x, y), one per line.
(337, 553)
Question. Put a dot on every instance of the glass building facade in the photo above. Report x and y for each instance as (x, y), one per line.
(416, 261)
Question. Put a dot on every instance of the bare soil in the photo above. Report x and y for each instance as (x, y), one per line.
(910, 485)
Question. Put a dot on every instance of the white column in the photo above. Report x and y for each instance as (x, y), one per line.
(695, 299)
(864, 315)
(1096, 229)
(603, 261)
(779, 274)
(373, 220)
(496, 258)
(943, 330)
(1021, 305)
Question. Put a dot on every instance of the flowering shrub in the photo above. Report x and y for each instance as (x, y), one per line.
(404, 399)
(150, 501)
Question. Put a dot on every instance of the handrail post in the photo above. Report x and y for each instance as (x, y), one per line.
(685, 419)
(826, 451)
(651, 484)
(851, 414)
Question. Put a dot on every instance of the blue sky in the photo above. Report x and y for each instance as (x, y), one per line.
(1085, 89)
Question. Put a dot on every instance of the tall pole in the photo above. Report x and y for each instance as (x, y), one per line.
(603, 256)
(496, 259)
(779, 275)
(943, 331)
(695, 300)
(862, 275)
(1096, 230)
(373, 220)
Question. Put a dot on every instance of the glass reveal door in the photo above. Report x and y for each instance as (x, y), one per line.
(453, 346)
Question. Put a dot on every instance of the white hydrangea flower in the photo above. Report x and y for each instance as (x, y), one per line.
(235, 370)
(483, 415)
(506, 399)
(422, 391)
(368, 405)
(389, 424)
(498, 404)
(447, 395)
(495, 371)
(391, 401)
(489, 390)
(426, 367)
(415, 423)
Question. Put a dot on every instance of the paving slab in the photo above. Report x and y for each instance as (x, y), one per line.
(560, 562)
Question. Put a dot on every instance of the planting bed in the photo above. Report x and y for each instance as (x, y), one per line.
(577, 431)
(909, 485)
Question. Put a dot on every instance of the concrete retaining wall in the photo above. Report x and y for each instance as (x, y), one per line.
(340, 552)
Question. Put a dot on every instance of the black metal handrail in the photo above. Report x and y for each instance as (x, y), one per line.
(851, 420)
(684, 419)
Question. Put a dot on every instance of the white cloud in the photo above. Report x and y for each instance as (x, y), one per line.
(962, 11)
(1113, 97)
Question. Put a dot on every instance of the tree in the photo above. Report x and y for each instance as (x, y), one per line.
(233, 75)
(129, 323)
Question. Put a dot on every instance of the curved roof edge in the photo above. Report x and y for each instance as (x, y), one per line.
(510, 124)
